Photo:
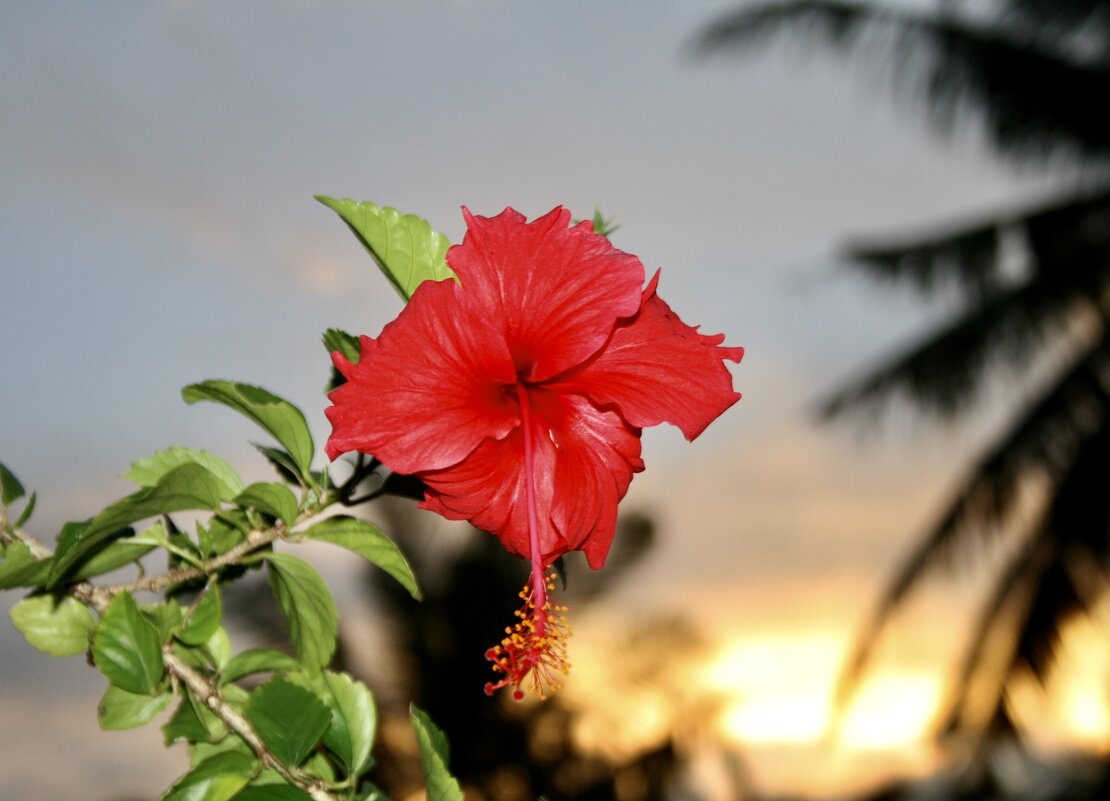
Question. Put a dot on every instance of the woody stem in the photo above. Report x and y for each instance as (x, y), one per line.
(539, 583)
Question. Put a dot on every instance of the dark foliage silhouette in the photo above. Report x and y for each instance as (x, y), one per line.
(1033, 75)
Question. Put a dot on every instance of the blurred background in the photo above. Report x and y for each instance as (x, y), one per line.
(881, 574)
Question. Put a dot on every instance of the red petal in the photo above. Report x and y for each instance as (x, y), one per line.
(584, 460)
(555, 291)
(428, 390)
(657, 369)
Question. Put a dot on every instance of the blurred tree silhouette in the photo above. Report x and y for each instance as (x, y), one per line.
(500, 749)
(1035, 74)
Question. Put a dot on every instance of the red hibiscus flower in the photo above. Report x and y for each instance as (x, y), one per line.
(517, 395)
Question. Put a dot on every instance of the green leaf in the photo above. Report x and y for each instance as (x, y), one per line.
(25, 515)
(194, 723)
(217, 778)
(273, 792)
(227, 529)
(127, 649)
(188, 486)
(119, 709)
(59, 626)
(308, 607)
(281, 461)
(434, 756)
(282, 419)
(404, 246)
(289, 719)
(147, 472)
(348, 345)
(218, 648)
(258, 660)
(275, 500)
(336, 339)
(10, 488)
(116, 554)
(369, 542)
(198, 752)
(204, 619)
(165, 617)
(353, 720)
(20, 568)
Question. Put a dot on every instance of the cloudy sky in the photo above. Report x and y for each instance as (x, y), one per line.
(157, 227)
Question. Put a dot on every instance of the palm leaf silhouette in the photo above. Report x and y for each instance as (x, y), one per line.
(1034, 284)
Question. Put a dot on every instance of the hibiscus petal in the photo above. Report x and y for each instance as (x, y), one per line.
(557, 291)
(428, 390)
(583, 462)
(597, 454)
(657, 369)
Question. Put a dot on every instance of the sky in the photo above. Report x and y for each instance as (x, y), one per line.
(158, 163)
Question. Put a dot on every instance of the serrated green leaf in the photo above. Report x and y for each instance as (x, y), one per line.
(273, 792)
(59, 626)
(434, 758)
(275, 500)
(289, 719)
(165, 617)
(283, 420)
(217, 778)
(147, 472)
(369, 542)
(200, 751)
(10, 488)
(308, 607)
(354, 720)
(404, 246)
(204, 618)
(127, 649)
(189, 486)
(119, 709)
(258, 660)
(20, 568)
(194, 723)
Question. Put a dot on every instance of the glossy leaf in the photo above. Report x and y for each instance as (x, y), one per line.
(258, 660)
(10, 488)
(20, 568)
(218, 648)
(347, 344)
(204, 619)
(289, 719)
(369, 542)
(435, 755)
(218, 778)
(119, 709)
(55, 626)
(275, 500)
(189, 486)
(127, 649)
(200, 751)
(404, 246)
(227, 529)
(353, 720)
(282, 419)
(273, 792)
(308, 607)
(147, 472)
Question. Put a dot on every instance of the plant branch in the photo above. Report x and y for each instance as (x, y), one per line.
(209, 695)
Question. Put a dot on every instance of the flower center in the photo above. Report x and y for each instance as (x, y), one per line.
(534, 650)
